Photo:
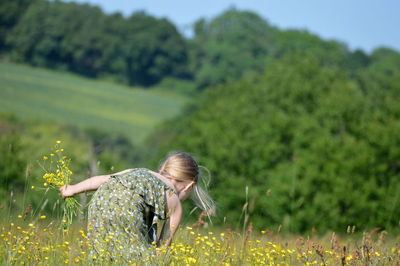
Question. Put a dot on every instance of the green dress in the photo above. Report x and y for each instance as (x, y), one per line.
(124, 214)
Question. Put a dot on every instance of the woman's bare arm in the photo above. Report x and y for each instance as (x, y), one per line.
(175, 211)
(91, 183)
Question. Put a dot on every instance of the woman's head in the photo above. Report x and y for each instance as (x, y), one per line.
(182, 167)
(179, 166)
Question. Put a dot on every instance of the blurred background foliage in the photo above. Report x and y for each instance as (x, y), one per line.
(310, 127)
(314, 146)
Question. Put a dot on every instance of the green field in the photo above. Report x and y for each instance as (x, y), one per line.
(33, 93)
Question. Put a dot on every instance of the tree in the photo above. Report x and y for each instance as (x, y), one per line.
(232, 45)
(81, 38)
(61, 35)
(10, 13)
(152, 50)
(331, 53)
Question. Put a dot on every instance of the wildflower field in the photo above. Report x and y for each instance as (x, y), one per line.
(31, 237)
(43, 241)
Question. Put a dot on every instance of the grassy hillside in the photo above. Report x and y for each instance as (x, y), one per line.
(53, 96)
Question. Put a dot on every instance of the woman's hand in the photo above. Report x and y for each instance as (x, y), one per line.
(67, 191)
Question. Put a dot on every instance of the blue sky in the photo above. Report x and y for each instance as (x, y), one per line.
(361, 24)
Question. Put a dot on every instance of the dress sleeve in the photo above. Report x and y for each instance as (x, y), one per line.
(156, 196)
(152, 190)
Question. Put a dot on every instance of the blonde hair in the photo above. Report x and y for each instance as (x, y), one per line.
(181, 166)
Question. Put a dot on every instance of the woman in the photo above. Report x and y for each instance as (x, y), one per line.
(127, 207)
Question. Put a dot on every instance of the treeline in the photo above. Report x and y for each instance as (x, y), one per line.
(138, 50)
(143, 50)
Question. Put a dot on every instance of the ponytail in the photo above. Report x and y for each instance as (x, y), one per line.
(201, 197)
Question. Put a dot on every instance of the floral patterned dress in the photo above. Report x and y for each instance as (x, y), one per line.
(124, 214)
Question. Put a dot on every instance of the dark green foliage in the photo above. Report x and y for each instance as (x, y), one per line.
(314, 147)
(293, 41)
(12, 163)
(329, 53)
(10, 12)
(152, 49)
(240, 44)
(114, 152)
(140, 50)
(143, 50)
(60, 35)
(357, 60)
(232, 45)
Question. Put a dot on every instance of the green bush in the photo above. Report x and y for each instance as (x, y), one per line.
(23, 145)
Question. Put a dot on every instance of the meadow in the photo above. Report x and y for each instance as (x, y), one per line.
(34, 236)
(41, 241)
(39, 94)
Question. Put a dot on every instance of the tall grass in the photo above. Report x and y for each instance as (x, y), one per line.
(32, 238)
(40, 241)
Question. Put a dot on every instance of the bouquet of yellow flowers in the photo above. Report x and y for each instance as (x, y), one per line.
(57, 174)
